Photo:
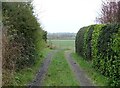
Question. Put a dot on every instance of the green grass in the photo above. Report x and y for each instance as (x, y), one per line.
(96, 77)
(63, 44)
(26, 75)
(59, 73)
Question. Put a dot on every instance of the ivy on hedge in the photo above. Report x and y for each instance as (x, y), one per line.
(101, 44)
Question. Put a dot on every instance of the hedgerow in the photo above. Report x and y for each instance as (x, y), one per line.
(79, 42)
(102, 45)
(23, 38)
(94, 41)
(87, 42)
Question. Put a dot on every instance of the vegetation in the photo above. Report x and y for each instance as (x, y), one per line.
(45, 35)
(100, 43)
(59, 73)
(79, 38)
(61, 36)
(110, 12)
(96, 77)
(22, 38)
(26, 75)
(62, 44)
(23, 43)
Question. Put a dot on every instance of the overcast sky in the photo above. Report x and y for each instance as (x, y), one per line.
(66, 15)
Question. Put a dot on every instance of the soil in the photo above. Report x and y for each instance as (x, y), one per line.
(42, 71)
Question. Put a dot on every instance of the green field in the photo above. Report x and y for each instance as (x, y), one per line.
(63, 44)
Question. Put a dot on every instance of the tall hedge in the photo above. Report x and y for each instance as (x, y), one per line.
(87, 42)
(22, 38)
(95, 35)
(101, 44)
(79, 42)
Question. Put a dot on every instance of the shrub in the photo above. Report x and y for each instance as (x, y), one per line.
(79, 42)
(101, 43)
(87, 42)
(109, 56)
(94, 42)
(24, 37)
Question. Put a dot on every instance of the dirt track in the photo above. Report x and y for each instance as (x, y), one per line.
(78, 72)
(42, 71)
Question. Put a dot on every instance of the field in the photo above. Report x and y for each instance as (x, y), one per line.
(63, 44)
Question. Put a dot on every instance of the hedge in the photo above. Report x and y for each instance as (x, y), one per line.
(79, 41)
(101, 45)
(87, 42)
(22, 39)
(23, 32)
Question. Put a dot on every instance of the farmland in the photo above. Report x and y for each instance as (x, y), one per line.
(63, 44)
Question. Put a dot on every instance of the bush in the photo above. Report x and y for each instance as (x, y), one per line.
(23, 39)
(94, 41)
(79, 42)
(87, 42)
(101, 44)
(109, 56)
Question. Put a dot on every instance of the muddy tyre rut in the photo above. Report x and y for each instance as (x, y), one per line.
(42, 71)
(78, 72)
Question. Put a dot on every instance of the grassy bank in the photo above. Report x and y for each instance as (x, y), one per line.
(26, 75)
(59, 73)
(96, 77)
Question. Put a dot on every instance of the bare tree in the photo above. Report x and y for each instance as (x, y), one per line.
(118, 13)
(110, 12)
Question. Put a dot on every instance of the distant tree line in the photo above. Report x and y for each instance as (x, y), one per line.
(23, 37)
(61, 36)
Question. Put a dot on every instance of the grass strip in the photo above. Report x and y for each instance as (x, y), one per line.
(59, 73)
(97, 78)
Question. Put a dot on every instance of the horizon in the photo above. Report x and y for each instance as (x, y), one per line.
(60, 32)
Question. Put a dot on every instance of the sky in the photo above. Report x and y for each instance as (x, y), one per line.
(66, 15)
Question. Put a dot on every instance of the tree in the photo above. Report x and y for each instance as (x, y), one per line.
(110, 12)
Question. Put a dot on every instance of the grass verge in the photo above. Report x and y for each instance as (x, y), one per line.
(26, 75)
(96, 78)
(59, 73)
